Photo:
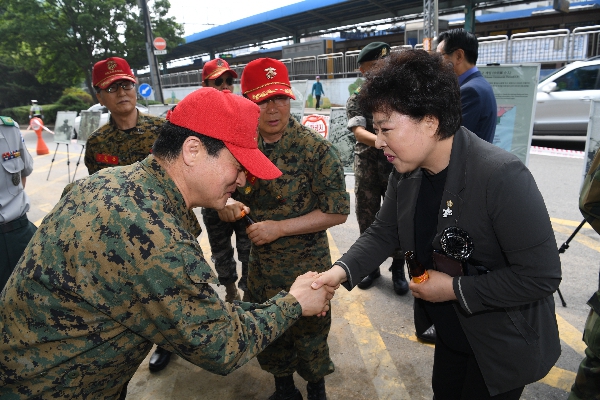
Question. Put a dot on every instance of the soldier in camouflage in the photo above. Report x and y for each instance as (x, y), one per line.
(291, 215)
(371, 168)
(126, 139)
(217, 74)
(116, 267)
(587, 380)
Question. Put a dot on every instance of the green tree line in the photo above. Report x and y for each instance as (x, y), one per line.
(49, 45)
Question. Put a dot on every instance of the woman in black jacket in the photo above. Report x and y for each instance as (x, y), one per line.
(458, 201)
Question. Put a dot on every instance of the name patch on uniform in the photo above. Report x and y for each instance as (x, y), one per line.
(107, 159)
(9, 155)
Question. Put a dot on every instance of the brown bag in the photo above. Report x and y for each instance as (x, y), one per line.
(447, 265)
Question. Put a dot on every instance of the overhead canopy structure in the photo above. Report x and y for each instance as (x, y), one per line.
(312, 18)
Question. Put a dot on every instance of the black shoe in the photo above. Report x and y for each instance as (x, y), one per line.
(368, 280)
(159, 360)
(429, 335)
(316, 391)
(285, 389)
(398, 278)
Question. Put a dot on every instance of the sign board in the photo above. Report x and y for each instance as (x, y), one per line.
(592, 143)
(63, 129)
(297, 105)
(515, 88)
(342, 138)
(317, 122)
(145, 90)
(159, 52)
(90, 121)
(159, 43)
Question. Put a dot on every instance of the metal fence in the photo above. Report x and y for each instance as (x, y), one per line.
(553, 46)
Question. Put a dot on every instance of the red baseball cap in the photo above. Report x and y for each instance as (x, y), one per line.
(264, 78)
(215, 68)
(227, 117)
(112, 69)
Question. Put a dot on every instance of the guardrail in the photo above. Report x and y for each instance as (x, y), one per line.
(552, 46)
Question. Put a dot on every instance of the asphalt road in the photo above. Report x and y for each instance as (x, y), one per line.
(372, 340)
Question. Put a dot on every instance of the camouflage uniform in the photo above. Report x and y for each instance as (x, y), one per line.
(219, 236)
(313, 178)
(587, 381)
(109, 146)
(113, 269)
(371, 170)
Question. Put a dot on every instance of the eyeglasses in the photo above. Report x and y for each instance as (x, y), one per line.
(228, 80)
(126, 85)
(279, 101)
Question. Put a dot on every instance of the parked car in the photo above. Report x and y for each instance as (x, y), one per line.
(103, 117)
(564, 98)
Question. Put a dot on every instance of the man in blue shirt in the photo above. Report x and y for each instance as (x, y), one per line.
(317, 91)
(479, 110)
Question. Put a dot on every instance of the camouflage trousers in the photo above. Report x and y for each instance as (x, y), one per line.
(371, 174)
(219, 237)
(302, 348)
(587, 381)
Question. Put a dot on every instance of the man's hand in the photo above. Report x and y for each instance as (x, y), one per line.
(232, 211)
(331, 278)
(264, 232)
(436, 289)
(313, 302)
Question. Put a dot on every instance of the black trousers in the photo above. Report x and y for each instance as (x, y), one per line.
(456, 376)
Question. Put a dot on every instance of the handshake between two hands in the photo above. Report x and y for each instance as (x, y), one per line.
(314, 290)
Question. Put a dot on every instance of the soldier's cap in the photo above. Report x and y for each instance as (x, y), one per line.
(229, 118)
(264, 78)
(373, 51)
(215, 68)
(112, 69)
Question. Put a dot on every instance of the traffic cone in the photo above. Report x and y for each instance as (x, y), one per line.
(37, 125)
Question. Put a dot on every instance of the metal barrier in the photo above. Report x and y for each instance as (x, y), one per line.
(544, 46)
(351, 63)
(401, 48)
(585, 42)
(553, 46)
(304, 67)
(493, 50)
(331, 65)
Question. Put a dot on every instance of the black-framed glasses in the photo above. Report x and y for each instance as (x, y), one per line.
(279, 101)
(228, 80)
(126, 85)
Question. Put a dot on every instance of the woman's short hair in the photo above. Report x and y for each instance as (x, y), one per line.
(171, 138)
(417, 84)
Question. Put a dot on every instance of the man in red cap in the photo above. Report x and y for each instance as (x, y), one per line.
(126, 138)
(292, 214)
(115, 267)
(217, 74)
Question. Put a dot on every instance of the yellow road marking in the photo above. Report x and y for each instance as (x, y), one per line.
(571, 335)
(559, 378)
(568, 222)
(377, 360)
(584, 240)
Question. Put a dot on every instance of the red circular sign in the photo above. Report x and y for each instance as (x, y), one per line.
(160, 43)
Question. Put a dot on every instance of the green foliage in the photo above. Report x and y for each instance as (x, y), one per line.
(58, 42)
(354, 85)
(84, 96)
(19, 114)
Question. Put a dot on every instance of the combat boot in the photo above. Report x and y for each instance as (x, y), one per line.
(368, 280)
(398, 277)
(316, 390)
(231, 293)
(285, 389)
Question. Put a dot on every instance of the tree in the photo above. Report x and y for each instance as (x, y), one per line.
(59, 41)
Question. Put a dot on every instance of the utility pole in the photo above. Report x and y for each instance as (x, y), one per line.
(430, 23)
(152, 62)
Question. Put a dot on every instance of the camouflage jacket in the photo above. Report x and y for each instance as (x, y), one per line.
(313, 178)
(109, 146)
(358, 118)
(111, 270)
